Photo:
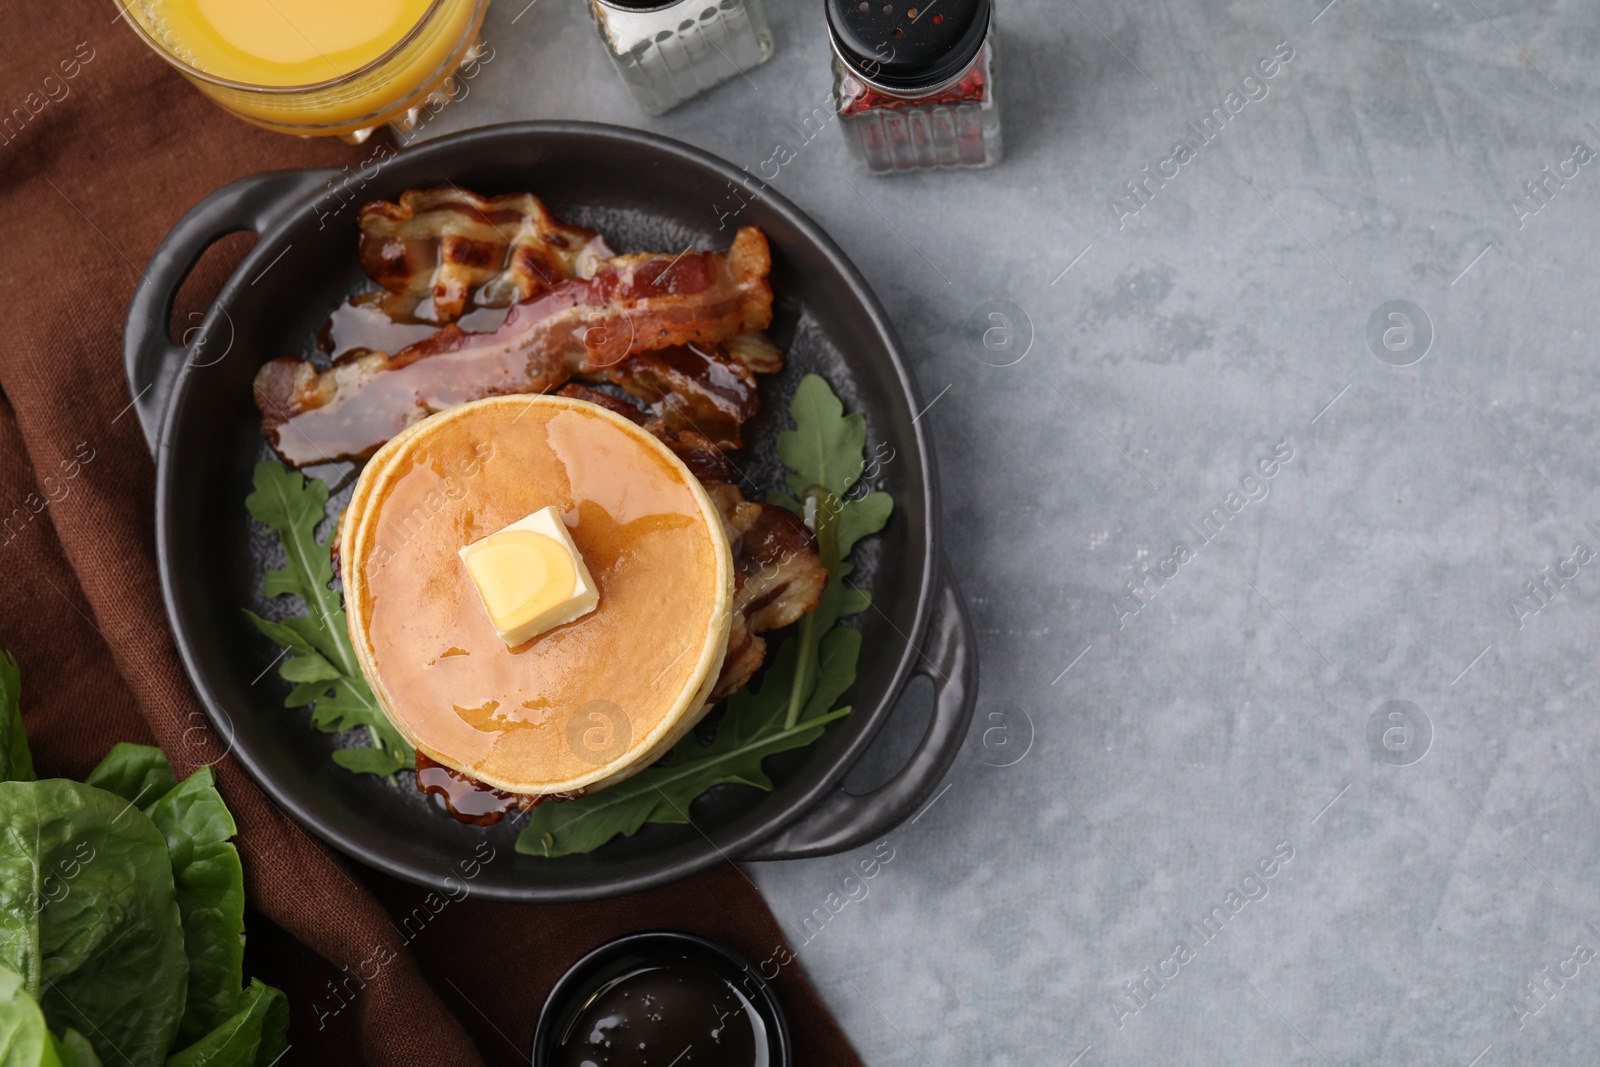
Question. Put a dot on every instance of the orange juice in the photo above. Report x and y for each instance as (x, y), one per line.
(313, 66)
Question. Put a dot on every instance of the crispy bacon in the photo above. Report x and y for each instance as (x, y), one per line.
(709, 390)
(778, 577)
(693, 387)
(633, 304)
(439, 248)
(756, 351)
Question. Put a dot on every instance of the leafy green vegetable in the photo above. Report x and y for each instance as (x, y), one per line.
(862, 517)
(366, 760)
(255, 1034)
(122, 916)
(24, 1039)
(809, 672)
(138, 774)
(206, 873)
(89, 918)
(16, 764)
(826, 447)
(75, 1050)
(749, 733)
(209, 880)
(323, 662)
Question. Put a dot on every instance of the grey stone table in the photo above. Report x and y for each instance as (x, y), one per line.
(1092, 885)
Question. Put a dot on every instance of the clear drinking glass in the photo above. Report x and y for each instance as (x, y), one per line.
(667, 53)
(416, 72)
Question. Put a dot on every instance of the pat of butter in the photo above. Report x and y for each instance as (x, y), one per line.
(530, 577)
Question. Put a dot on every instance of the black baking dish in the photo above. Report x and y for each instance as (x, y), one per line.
(642, 192)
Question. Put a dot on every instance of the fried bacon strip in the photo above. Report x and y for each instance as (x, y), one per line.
(699, 388)
(580, 327)
(778, 575)
(439, 248)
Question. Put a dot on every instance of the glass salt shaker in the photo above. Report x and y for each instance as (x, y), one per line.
(914, 84)
(669, 52)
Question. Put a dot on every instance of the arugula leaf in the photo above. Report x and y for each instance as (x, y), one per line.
(89, 917)
(808, 673)
(254, 1035)
(861, 517)
(322, 663)
(752, 730)
(16, 762)
(825, 447)
(379, 761)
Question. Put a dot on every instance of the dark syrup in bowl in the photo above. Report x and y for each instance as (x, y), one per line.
(677, 1011)
(661, 999)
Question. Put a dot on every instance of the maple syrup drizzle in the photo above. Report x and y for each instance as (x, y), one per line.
(474, 802)
(361, 324)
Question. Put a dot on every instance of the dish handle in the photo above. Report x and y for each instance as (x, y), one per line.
(152, 361)
(843, 820)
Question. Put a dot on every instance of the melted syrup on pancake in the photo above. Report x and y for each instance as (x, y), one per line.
(471, 801)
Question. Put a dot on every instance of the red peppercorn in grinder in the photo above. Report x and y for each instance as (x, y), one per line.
(914, 84)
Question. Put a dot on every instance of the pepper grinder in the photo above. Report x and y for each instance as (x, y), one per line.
(914, 83)
(669, 52)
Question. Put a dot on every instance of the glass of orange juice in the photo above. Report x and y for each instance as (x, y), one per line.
(315, 67)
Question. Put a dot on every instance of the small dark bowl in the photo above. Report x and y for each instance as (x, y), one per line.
(616, 958)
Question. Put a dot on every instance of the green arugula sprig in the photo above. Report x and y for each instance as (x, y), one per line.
(321, 661)
(825, 454)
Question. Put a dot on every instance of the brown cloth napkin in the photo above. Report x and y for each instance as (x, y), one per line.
(102, 148)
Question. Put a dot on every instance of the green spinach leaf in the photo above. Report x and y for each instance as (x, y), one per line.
(209, 883)
(89, 916)
(16, 763)
(75, 1050)
(319, 657)
(254, 1036)
(138, 774)
(206, 873)
(25, 1041)
(122, 912)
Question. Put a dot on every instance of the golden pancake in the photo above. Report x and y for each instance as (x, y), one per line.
(584, 704)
